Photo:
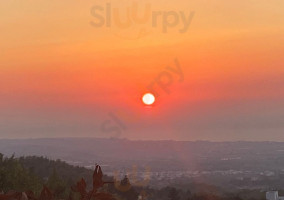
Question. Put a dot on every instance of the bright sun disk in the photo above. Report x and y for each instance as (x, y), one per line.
(148, 99)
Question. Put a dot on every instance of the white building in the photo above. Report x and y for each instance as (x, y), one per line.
(273, 195)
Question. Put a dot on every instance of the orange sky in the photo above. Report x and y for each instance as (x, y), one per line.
(60, 76)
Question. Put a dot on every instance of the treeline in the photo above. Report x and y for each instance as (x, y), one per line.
(33, 173)
(13, 176)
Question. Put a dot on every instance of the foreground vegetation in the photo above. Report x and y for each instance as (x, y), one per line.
(41, 178)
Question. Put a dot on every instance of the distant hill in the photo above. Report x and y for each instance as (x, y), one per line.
(33, 175)
(115, 154)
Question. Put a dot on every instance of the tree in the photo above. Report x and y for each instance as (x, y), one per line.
(56, 184)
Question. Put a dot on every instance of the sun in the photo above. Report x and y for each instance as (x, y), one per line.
(148, 99)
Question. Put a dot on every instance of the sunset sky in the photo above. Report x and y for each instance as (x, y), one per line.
(62, 77)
